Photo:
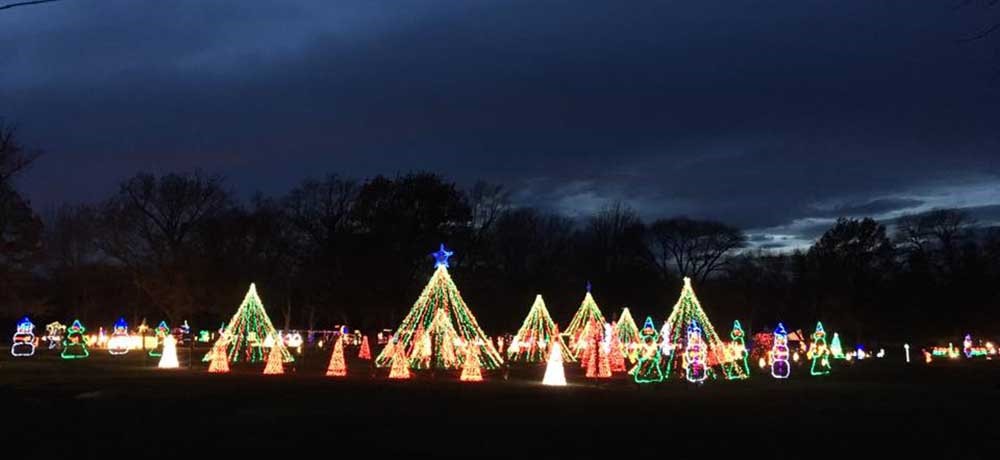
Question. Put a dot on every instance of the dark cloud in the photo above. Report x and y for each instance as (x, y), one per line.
(773, 117)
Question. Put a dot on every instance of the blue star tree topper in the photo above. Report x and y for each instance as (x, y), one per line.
(441, 257)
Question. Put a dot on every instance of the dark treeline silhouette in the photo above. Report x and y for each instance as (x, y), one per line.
(336, 250)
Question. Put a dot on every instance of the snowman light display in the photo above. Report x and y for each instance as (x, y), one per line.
(780, 368)
(24, 339)
(694, 355)
(118, 344)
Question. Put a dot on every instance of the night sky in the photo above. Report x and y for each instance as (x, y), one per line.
(774, 116)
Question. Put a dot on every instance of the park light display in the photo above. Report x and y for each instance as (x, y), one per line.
(168, 360)
(248, 329)
(275, 362)
(695, 368)
(738, 349)
(647, 370)
(471, 370)
(161, 332)
(588, 313)
(686, 310)
(555, 375)
(836, 349)
(780, 368)
(23, 344)
(75, 344)
(120, 342)
(628, 334)
(818, 352)
(220, 361)
(365, 352)
(537, 332)
(337, 367)
(456, 327)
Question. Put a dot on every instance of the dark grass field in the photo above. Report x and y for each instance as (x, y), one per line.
(869, 409)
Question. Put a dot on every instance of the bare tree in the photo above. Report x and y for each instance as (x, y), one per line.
(694, 248)
(936, 234)
(14, 157)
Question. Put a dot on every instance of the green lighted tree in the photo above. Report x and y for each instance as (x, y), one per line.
(535, 336)
(587, 313)
(246, 333)
(819, 352)
(688, 309)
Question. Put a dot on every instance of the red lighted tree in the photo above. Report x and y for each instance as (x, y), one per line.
(366, 351)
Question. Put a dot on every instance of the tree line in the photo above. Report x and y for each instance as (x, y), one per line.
(336, 250)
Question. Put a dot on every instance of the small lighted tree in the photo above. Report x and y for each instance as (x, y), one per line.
(161, 331)
(554, 373)
(365, 352)
(220, 361)
(836, 349)
(648, 368)
(628, 334)
(168, 359)
(400, 369)
(337, 367)
(818, 352)
(471, 370)
(275, 362)
(740, 354)
(75, 344)
(588, 313)
(617, 355)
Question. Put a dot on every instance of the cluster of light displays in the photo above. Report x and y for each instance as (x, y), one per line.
(455, 328)
(275, 362)
(365, 352)
(247, 331)
(24, 339)
(628, 334)
(648, 368)
(588, 313)
(554, 373)
(75, 345)
(950, 351)
(337, 367)
(162, 331)
(169, 358)
(695, 368)
(533, 338)
(686, 310)
(738, 348)
(120, 342)
(818, 352)
(780, 368)
(220, 361)
(471, 370)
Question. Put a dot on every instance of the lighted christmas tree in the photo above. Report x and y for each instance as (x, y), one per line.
(554, 373)
(537, 332)
(603, 360)
(647, 370)
(836, 349)
(739, 352)
(686, 310)
(628, 334)
(75, 344)
(471, 370)
(399, 361)
(780, 368)
(275, 362)
(168, 360)
(695, 369)
(616, 355)
(337, 367)
(439, 345)
(220, 361)
(162, 331)
(247, 331)
(365, 352)
(118, 344)
(442, 295)
(587, 313)
(818, 352)
(24, 339)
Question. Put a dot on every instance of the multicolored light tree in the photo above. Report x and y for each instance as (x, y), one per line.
(455, 320)
(24, 339)
(739, 352)
(554, 373)
(818, 352)
(587, 313)
(337, 367)
(400, 362)
(686, 310)
(628, 334)
(471, 370)
(247, 331)
(648, 368)
(75, 344)
(275, 362)
(536, 334)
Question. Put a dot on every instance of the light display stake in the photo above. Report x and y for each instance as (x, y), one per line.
(248, 329)
(780, 369)
(169, 358)
(537, 332)
(119, 343)
(365, 352)
(554, 373)
(906, 347)
(75, 345)
(220, 361)
(275, 361)
(337, 367)
(739, 353)
(441, 295)
(24, 339)
(471, 370)
(648, 368)
(818, 352)
(836, 349)
(628, 334)
(587, 313)
(686, 310)
(695, 369)
(400, 366)
(162, 330)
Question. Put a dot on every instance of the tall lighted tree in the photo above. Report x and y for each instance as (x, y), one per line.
(686, 310)
(248, 330)
(740, 354)
(628, 334)
(442, 295)
(75, 344)
(337, 367)
(584, 316)
(647, 370)
(818, 352)
(536, 334)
